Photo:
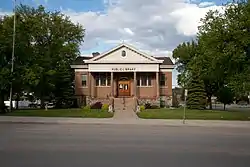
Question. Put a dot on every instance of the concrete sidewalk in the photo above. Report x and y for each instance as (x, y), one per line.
(155, 122)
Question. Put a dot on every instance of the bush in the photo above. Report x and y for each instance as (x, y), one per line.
(162, 104)
(86, 107)
(105, 107)
(142, 108)
(97, 105)
(147, 105)
(154, 107)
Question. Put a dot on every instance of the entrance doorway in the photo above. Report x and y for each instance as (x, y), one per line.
(124, 86)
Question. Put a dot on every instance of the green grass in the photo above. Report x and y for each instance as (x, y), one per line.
(93, 113)
(194, 114)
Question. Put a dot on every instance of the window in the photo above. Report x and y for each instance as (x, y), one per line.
(84, 80)
(123, 53)
(144, 80)
(162, 80)
(103, 79)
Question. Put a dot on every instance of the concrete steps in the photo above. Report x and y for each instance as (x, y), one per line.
(124, 108)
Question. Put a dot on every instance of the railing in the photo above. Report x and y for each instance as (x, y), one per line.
(124, 103)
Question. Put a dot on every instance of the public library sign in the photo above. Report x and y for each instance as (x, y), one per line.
(123, 67)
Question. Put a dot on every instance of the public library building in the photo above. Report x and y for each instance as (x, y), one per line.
(123, 71)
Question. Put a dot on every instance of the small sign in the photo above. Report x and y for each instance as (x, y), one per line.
(186, 92)
(123, 69)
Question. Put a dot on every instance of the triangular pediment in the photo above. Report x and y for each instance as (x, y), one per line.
(123, 53)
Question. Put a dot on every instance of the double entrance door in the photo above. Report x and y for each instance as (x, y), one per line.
(124, 87)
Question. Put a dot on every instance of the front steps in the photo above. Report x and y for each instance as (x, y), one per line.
(124, 108)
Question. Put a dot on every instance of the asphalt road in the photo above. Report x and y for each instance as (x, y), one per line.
(37, 145)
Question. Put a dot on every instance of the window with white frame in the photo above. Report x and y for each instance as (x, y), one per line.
(84, 80)
(144, 80)
(102, 79)
(162, 79)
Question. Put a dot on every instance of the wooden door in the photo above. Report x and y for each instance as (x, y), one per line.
(124, 88)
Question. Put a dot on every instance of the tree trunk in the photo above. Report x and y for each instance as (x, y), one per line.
(210, 102)
(42, 102)
(2, 105)
(224, 107)
(17, 101)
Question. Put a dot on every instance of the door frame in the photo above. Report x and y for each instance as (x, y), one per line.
(124, 80)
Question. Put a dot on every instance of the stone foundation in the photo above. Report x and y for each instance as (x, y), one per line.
(161, 101)
(90, 100)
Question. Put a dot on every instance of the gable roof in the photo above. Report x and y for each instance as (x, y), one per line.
(127, 46)
(80, 60)
(166, 60)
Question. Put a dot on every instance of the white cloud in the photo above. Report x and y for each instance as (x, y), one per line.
(206, 4)
(155, 26)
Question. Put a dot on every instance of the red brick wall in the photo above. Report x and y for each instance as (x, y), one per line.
(79, 90)
(143, 92)
(167, 89)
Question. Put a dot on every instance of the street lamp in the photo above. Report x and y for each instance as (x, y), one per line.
(184, 113)
(248, 98)
(13, 52)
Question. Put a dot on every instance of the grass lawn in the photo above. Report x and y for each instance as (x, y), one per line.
(194, 114)
(94, 113)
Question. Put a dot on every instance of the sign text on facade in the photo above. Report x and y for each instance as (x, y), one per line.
(123, 69)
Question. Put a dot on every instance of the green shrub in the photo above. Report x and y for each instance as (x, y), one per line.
(147, 105)
(105, 107)
(154, 107)
(86, 108)
(96, 105)
(142, 108)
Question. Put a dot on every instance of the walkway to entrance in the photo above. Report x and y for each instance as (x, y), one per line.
(124, 109)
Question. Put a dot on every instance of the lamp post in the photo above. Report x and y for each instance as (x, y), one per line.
(13, 52)
(184, 113)
(249, 98)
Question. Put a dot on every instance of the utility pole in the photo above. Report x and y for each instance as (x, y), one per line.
(13, 53)
(185, 102)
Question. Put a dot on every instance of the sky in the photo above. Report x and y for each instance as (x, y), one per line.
(153, 26)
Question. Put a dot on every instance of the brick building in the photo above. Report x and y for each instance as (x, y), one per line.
(123, 71)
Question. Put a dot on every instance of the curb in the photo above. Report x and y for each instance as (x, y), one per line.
(130, 122)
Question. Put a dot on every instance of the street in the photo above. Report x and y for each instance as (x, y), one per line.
(48, 145)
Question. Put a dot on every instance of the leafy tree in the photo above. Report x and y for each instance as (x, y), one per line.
(225, 39)
(225, 96)
(46, 44)
(222, 52)
(55, 42)
(21, 49)
(183, 54)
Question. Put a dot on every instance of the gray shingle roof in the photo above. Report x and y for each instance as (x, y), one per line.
(79, 60)
(167, 60)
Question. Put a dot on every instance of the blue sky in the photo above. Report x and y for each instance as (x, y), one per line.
(77, 5)
(153, 26)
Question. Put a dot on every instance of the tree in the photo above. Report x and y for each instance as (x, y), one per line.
(55, 42)
(222, 52)
(225, 96)
(183, 54)
(196, 98)
(21, 52)
(225, 39)
(46, 44)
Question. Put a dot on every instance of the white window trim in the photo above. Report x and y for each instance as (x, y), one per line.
(86, 81)
(99, 81)
(165, 86)
(140, 85)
